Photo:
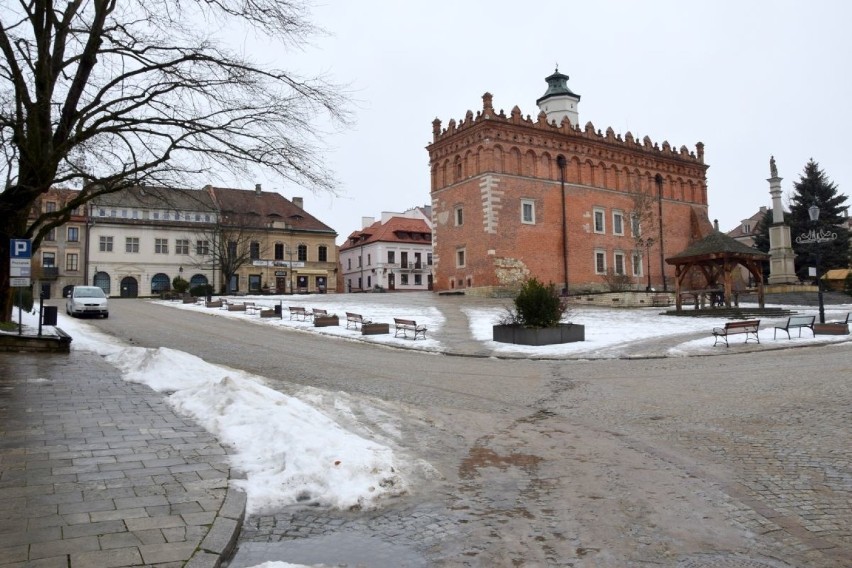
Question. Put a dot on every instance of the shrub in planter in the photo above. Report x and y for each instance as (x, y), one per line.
(536, 318)
(180, 285)
(201, 291)
(23, 298)
(537, 305)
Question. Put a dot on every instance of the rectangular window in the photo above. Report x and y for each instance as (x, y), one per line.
(51, 235)
(391, 256)
(181, 246)
(105, 244)
(131, 244)
(459, 216)
(637, 264)
(635, 228)
(232, 250)
(73, 234)
(417, 260)
(619, 262)
(254, 250)
(72, 260)
(349, 266)
(403, 259)
(279, 251)
(161, 246)
(403, 279)
(359, 261)
(322, 253)
(460, 258)
(429, 258)
(202, 247)
(528, 211)
(600, 262)
(369, 259)
(418, 279)
(600, 221)
(302, 252)
(50, 206)
(617, 223)
(156, 214)
(48, 259)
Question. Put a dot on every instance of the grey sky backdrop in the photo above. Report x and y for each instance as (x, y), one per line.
(750, 79)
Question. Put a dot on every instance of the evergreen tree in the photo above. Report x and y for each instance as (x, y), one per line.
(814, 188)
(761, 239)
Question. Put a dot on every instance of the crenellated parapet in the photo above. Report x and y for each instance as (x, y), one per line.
(588, 133)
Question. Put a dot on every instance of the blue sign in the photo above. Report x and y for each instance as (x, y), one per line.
(20, 248)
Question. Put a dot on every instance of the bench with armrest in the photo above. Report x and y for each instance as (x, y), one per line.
(318, 313)
(794, 322)
(407, 325)
(239, 306)
(747, 327)
(846, 320)
(300, 313)
(355, 320)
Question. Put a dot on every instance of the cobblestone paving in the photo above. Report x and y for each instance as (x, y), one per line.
(736, 461)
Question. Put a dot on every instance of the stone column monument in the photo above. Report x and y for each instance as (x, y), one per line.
(781, 267)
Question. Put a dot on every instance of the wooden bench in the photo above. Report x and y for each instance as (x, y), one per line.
(300, 313)
(355, 320)
(318, 313)
(267, 312)
(748, 327)
(406, 325)
(796, 322)
(239, 306)
(214, 304)
(846, 321)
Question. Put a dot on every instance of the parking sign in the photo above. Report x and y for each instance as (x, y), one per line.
(20, 255)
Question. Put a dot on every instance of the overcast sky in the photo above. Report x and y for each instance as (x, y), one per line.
(748, 79)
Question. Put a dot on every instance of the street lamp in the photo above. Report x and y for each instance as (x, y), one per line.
(817, 238)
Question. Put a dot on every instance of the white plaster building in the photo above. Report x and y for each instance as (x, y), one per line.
(394, 253)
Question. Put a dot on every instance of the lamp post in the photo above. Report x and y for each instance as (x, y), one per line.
(817, 238)
(560, 161)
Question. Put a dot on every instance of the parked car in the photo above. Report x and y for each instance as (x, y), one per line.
(87, 301)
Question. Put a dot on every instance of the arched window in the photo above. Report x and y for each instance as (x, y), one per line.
(197, 280)
(160, 283)
(102, 281)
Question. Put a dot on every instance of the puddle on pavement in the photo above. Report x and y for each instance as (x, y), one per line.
(344, 550)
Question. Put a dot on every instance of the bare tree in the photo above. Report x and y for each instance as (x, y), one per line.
(228, 246)
(100, 95)
(642, 226)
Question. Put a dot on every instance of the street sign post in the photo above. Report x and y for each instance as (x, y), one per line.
(20, 267)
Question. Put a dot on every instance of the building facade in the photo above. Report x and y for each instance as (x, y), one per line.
(142, 238)
(60, 260)
(516, 197)
(281, 248)
(394, 253)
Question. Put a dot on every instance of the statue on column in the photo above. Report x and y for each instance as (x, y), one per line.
(773, 171)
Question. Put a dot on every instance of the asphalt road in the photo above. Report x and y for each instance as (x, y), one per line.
(707, 461)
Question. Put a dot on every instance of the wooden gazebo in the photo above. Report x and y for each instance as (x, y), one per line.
(716, 256)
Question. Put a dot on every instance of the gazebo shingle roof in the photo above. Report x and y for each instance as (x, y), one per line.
(716, 244)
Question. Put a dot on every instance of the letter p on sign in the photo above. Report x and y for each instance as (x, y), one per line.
(21, 248)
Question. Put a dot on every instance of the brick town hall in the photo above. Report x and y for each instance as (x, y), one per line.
(515, 197)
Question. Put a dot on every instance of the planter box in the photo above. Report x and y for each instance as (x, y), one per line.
(831, 329)
(326, 321)
(375, 328)
(214, 304)
(519, 335)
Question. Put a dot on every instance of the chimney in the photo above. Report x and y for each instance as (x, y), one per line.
(257, 188)
(367, 221)
(716, 224)
(299, 202)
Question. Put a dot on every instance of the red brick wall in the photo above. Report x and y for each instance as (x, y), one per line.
(487, 166)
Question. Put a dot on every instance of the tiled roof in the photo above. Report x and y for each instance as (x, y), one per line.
(267, 207)
(395, 230)
(157, 198)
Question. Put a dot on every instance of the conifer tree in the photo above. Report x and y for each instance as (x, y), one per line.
(814, 188)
